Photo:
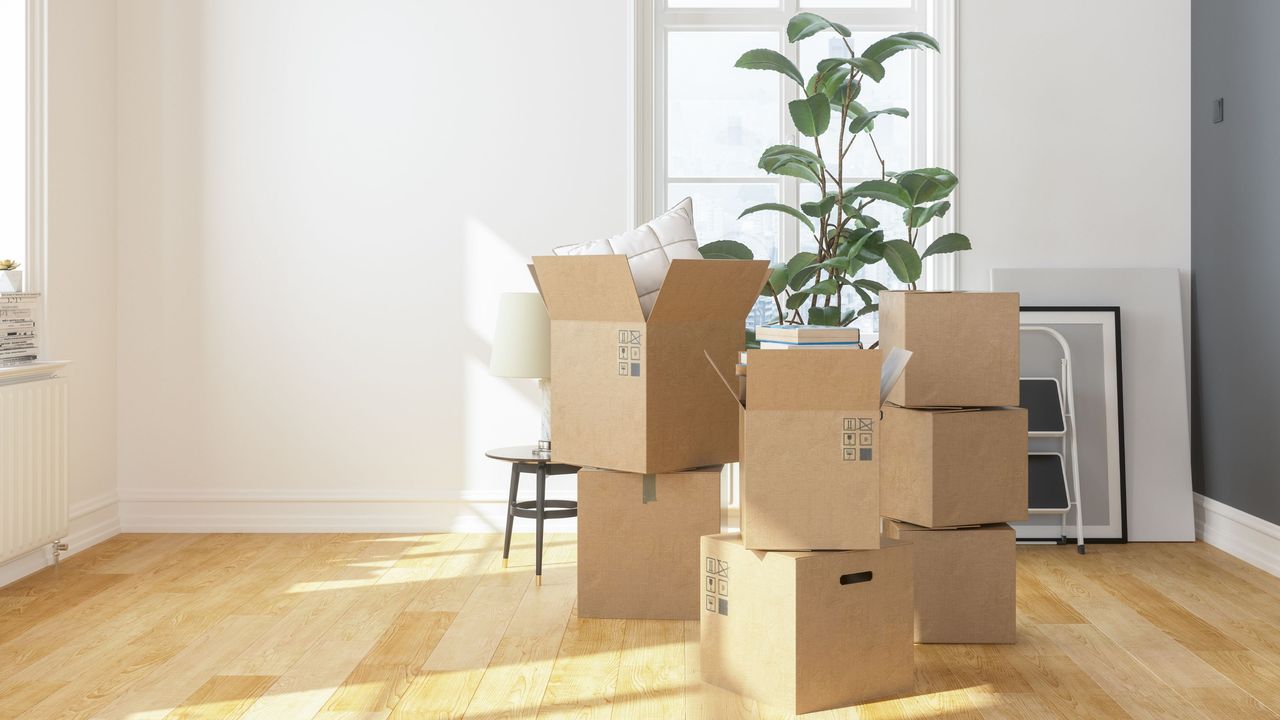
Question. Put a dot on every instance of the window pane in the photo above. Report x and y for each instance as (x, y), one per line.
(892, 134)
(719, 118)
(723, 3)
(13, 130)
(716, 207)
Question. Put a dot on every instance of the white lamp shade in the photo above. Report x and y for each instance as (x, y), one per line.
(522, 340)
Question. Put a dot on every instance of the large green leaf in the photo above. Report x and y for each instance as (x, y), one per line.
(779, 207)
(824, 315)
(927, 184)
(872, 250)
(764, 59)
(880, 190)
(850, 89)
(869, 284)
(881, 50)
(820, 208)
(918, 216)
(811, 115)
(866, 66)
(863, 121)
(949, 243)
(805, 24)
(827, 83)
(778, 277)
(903, 260)
(726, 250)
(800, 267)
(793, 161)
(864, 295)
(796, 299)
(823, 287)
(868, 309)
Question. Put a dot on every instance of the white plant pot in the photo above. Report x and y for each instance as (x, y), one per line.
(11, 281)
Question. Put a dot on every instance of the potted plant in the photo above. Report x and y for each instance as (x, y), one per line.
(10, 276)
(809, 287)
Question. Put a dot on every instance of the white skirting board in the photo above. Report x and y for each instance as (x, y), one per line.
(280, 511)
(92, 522)
(1249, 538)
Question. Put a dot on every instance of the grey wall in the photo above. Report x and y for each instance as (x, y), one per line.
(1235, 253)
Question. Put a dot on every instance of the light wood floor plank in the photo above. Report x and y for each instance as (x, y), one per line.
(369, 627)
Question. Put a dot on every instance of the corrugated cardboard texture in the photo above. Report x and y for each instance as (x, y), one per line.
(942, 468)
(636, 396)
(790, 634)
(965, 583)
(810, 470)
(964, 345)
(637, 538)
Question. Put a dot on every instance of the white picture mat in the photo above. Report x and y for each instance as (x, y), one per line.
(1156, 411)
(1098, 420)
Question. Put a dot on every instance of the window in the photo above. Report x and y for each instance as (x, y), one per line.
(703, 123)
(13, 129)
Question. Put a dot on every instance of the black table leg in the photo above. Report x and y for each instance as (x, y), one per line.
(542, 507)
(511, 504)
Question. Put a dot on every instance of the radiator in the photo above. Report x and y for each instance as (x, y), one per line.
(33, 465)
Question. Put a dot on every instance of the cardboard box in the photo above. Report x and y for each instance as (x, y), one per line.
(637, 538)
(942, 468)
(965, 347)
(810, 467)
(634, 394)
(806, 631)
(965, 582)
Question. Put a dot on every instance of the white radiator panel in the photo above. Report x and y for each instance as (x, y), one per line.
(33, 465)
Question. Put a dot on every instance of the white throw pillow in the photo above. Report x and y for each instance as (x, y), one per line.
(649, 248)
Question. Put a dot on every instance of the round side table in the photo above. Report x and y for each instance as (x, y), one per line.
(525, 459)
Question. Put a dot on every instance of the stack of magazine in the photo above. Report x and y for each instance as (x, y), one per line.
(18, 328)
(782, 337)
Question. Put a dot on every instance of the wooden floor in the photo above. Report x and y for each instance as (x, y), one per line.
(404, 626)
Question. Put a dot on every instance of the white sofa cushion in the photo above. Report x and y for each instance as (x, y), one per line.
(649, 248)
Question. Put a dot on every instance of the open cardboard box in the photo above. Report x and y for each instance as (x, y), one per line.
(807, 631)
(948, 467)
(636, 536)
(965, 582)
(964, 347)
(634, 393)
(810, 465)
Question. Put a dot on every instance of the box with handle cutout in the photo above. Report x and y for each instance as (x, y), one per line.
(807, 631)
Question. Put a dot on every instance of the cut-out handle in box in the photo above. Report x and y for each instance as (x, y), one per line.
(855, 578)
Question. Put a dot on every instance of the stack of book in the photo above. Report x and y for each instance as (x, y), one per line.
(781, 337)
(17, 328)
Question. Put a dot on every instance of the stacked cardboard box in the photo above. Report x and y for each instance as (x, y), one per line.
(810, 607)
(636, 405)
(954, 459)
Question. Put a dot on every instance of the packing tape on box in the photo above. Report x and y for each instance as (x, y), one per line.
(649, 489)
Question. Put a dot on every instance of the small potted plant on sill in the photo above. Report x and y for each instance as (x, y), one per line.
(10, 276)
(810, 287)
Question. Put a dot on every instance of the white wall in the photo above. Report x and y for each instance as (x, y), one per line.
(81, 282)
(1074, 135)
(319, 205)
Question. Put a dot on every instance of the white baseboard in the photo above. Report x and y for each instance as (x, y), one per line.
(1249, 538)
(274, 511)
(91, 522)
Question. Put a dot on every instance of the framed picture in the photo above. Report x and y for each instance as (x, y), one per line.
(1090, 337)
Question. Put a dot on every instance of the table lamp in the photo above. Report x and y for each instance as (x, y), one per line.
(522, 349)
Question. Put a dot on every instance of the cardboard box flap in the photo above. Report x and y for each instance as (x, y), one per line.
(709, 290)
(813, 380)
(727, 384)
(588, 287)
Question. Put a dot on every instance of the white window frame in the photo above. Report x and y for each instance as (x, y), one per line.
(37, 156)
(934, 87)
